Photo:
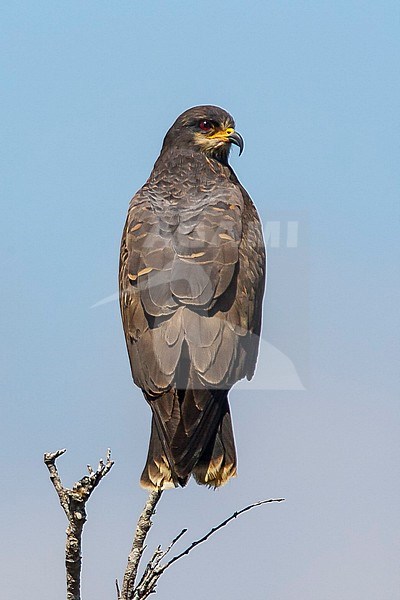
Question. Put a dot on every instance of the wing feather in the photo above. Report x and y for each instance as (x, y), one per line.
(192, 273)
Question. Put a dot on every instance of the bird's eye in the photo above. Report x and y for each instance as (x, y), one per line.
(205, 125)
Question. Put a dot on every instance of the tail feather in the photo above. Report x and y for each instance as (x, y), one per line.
(217, 464)
(157, 472)
(191, 433)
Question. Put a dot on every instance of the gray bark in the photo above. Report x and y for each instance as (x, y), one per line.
(73, 501)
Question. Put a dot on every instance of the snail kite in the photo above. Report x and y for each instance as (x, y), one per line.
(192, 272)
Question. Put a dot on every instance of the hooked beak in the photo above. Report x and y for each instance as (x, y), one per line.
(236, 138)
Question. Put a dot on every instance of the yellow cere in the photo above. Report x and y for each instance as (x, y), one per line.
(222, 134)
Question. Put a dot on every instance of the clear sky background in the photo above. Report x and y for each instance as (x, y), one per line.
(88, 91)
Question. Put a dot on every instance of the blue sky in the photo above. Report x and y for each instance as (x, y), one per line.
(90, 89)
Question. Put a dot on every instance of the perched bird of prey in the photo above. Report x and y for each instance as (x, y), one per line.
(192, 271)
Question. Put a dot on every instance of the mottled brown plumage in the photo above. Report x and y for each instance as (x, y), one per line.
(192, 273)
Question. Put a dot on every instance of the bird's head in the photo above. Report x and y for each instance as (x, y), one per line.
(208, 129)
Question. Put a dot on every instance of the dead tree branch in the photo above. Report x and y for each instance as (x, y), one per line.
(73, 501)
(154, 569)
(218, 527)
(142, 529)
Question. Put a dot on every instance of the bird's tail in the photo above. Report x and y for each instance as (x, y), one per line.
(191, 433)
(157, 472)
(217, 463)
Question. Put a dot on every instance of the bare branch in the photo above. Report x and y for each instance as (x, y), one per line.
(142, 529)
(172, 544)
(154, 569)
(50, 462)
(218, 527)
(73, 502)
(118, 590)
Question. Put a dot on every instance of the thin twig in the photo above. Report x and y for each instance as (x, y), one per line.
(217, 528)
(172, 544)
(154, 569)
(73, 502)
